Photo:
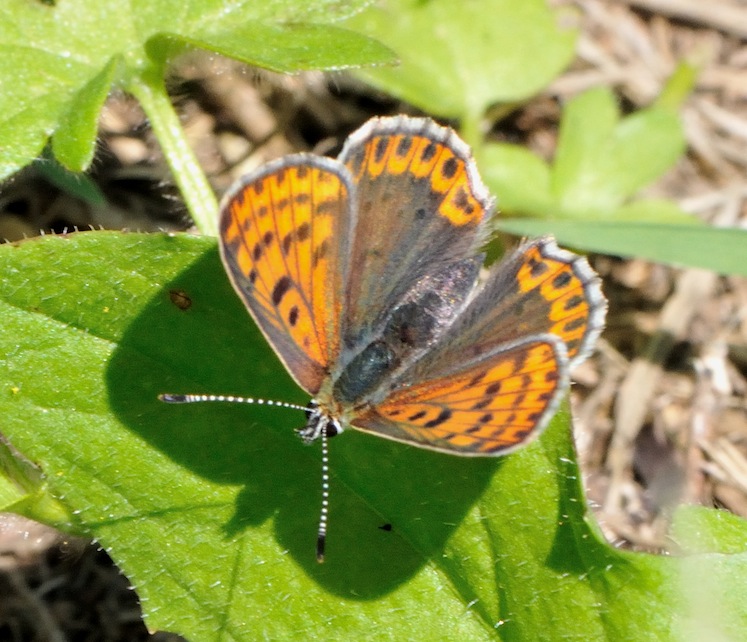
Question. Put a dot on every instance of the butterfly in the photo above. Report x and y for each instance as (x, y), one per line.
(365, 274)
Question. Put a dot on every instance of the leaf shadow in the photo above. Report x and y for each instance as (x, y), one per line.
(195, 336)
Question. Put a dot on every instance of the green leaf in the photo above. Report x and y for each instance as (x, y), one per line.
(586, 197)
(678, 87)
(713, 573)
(699, 246)
(294, 47)
(519, 179)
(74, 141)
(650, 211)
(522, 182)
(602, 160)
(211, 510)
(600, 164)
(12, 494)
(458, 58)
(79, 185)
(58, 61)
(22, 488)
(696, 529)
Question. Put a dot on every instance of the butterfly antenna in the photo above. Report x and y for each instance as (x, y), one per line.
(321, 537)
(174, 398)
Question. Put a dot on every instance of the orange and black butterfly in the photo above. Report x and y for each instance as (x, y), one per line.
(365, 275)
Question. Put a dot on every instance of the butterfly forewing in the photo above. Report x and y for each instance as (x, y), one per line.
(284, 241)
(421, 206)
(492, 379)
(555, 291)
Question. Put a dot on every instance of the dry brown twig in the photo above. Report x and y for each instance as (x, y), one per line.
(725, 16)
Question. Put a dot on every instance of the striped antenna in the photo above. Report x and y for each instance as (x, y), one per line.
(321, 537)
(174, 398)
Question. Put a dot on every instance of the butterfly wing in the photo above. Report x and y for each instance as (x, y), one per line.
(494, 376)
(538, 289)
(421, 206)
(492, 405)
(284, 240)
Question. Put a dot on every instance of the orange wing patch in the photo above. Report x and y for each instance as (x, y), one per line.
(280, 244)
(424, 158)
(565, 292)
(489, 409)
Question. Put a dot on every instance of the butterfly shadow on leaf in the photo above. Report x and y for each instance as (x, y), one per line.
(245, 473)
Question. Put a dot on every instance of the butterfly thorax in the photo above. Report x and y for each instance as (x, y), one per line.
(377, 356)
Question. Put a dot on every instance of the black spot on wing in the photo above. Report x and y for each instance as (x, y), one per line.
(561, 280)
(281, 288)
(443, 417)
(449, 168)
(403, 146)
(428, 152)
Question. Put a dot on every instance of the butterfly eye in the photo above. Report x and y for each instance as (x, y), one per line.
(332, 428)
(311, 408)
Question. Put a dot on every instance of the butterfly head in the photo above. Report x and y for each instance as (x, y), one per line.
(318, 422)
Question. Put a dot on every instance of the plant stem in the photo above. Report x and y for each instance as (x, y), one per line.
(150, 91)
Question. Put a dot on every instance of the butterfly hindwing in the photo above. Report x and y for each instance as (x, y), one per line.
(538, 289)
(495, 404)
(491, 380)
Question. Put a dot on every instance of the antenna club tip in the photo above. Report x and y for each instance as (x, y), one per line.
(172, 398)
(320, 541)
